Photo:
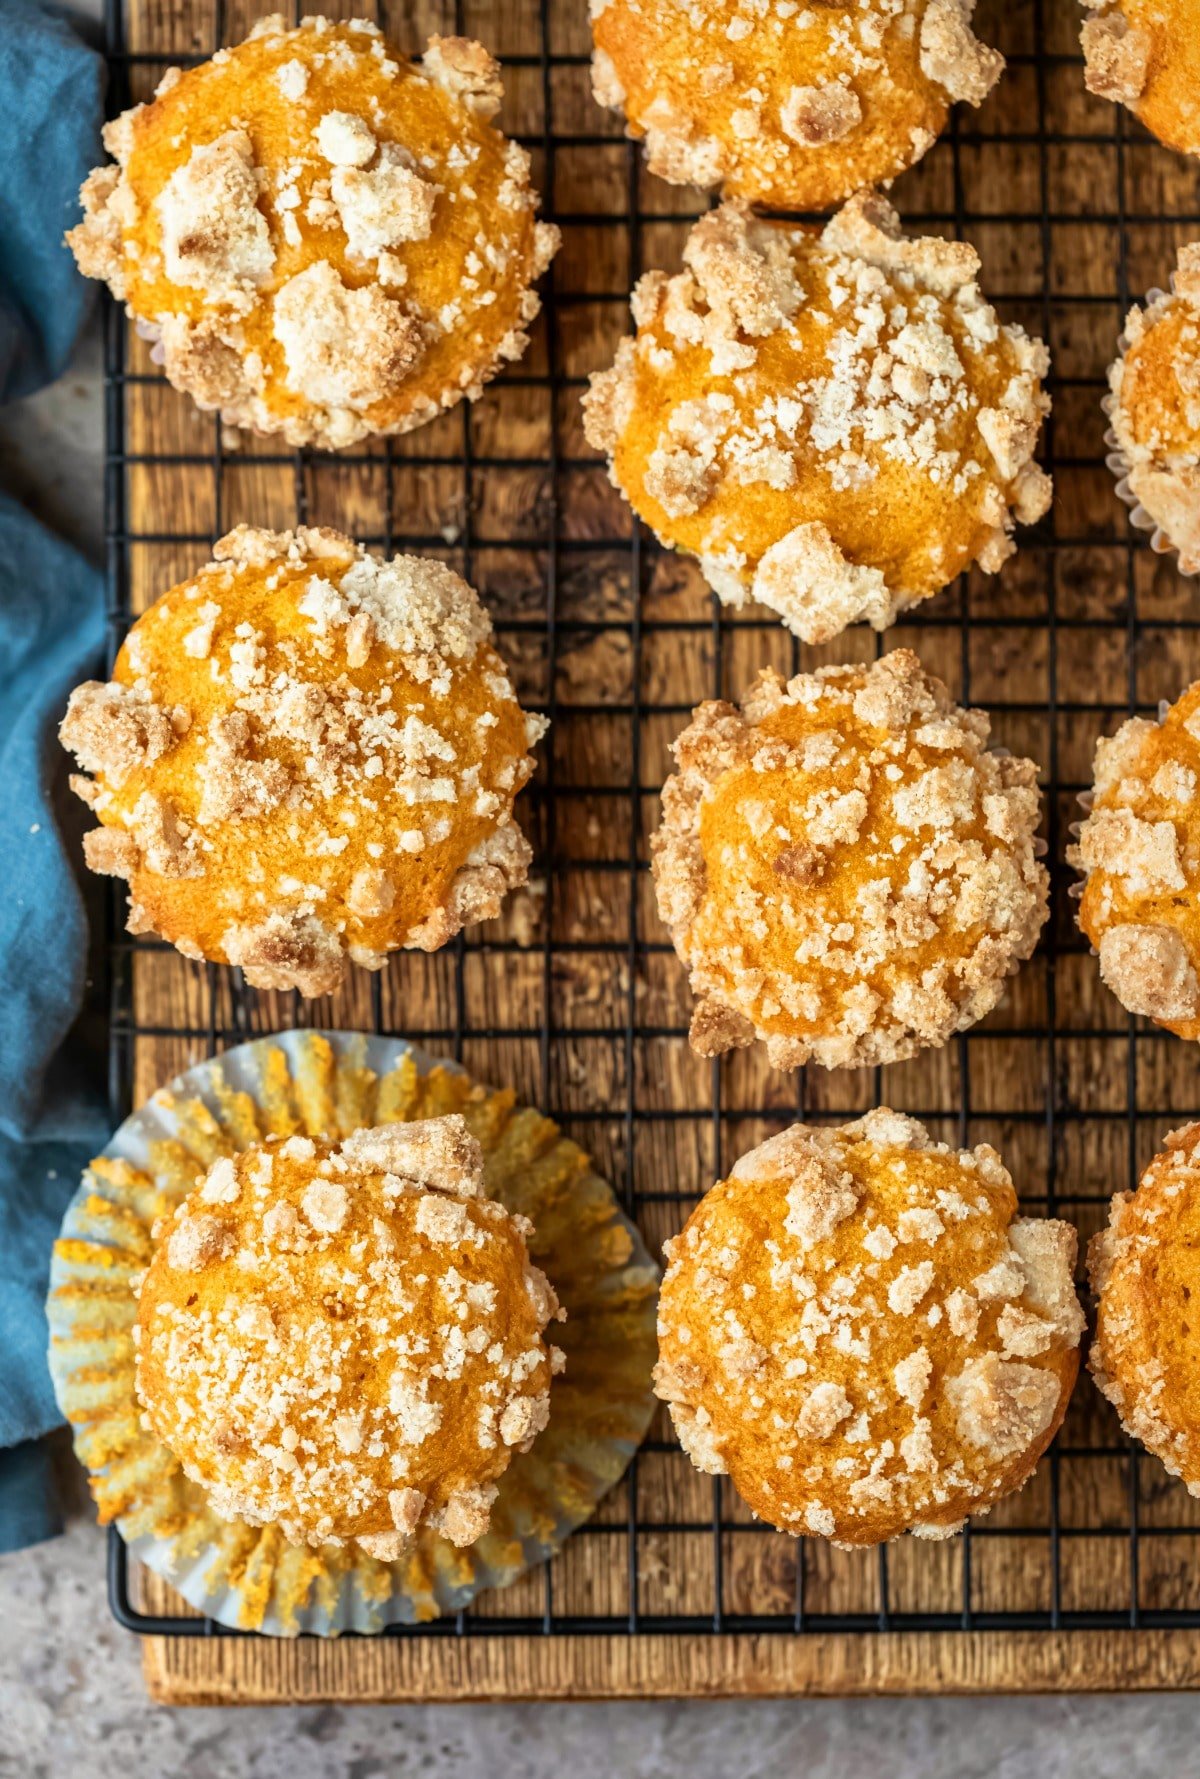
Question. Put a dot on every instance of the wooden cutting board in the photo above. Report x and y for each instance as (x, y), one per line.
(509, 493)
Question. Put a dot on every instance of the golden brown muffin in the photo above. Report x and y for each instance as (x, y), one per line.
(792, 106)
(836, 424)
(326, 239)
(1154, 406)
(1146, 54)
(306, 755)
(346, 1340)
(847, 872)
(860, 1331)
(1140, 851)
(1143, 1271)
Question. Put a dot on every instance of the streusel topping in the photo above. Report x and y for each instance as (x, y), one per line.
(306, 755)
(346, 1340)
(1155, 408)
(847, 871)
(836, 424)
(859, 1330)
(796, 106)
(327, 240)
(1139, 849)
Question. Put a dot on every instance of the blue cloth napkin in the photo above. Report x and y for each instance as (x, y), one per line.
(51, 108)
(52, 1112)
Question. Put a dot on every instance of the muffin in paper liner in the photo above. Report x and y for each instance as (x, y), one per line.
(1119, 464)
(328, 1084)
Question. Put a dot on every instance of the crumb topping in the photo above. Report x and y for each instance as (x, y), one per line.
(847, 871)
(740, 94)
(214, 236)
(324, 239)
(343, 348)
(1116, 55)
(345, 1351)
(858, 1383)
(1139, 851)
(307, 755)
(834, 424)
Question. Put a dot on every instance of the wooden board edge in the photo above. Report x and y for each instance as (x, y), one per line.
(183, 1671)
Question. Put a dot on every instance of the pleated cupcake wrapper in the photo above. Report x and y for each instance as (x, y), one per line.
(1120, 465)
(328, 1084)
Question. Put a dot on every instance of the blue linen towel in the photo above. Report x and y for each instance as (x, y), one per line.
(52, 1112)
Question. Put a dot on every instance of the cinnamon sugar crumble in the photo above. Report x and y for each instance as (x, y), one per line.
(847, 1391)
(824, 366)
(308, 762)
(901, 805)
(344, 1361)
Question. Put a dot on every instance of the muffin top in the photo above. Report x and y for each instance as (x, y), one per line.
(1140, 850)
(345, 1340)
(796, 107)
(329, 240)
(845, 869)
(306, 754)
(1143, 1270)
(1146, 54)
(858, 1328)
(1155, 408)
(835, 423)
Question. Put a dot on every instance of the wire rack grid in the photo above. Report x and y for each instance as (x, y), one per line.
(577, 999)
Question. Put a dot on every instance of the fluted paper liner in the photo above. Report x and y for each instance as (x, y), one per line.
(328, 1084)
(1120, 465)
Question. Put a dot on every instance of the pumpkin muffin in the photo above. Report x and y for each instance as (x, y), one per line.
(1139, 849)
(834, 423)
(1146, 54)
(346, 1340)
(846, 870)
(1143, 1271)
(1154, 406)
(860, 1331)
(306, 755)
(795, 107)
(326, 240)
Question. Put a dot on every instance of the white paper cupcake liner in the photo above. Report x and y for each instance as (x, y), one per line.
(330, 1083)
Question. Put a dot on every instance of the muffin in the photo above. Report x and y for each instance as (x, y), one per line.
(834, 423)
(1142, 1269)
(1139, 850)
(858, 1329)
(306, 755)
(1146, 54)
(326, 240)
(346, 1339)
(1154, 406)
(846, 870)
(326, 1087)
(797, 108)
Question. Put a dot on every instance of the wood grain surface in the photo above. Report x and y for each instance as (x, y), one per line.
(1079, 628)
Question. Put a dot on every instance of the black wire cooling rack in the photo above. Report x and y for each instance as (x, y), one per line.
(1076, 212)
